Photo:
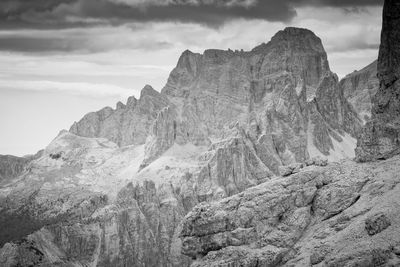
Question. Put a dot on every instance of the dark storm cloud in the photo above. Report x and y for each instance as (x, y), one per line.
(16, 15)
(340, 3)
(59, 14)
(73, 13)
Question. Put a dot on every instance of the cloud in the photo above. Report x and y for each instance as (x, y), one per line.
(214, 13)
(340, 31)
(98, 90)
(76, 13)
(339, 3)
(86, 40)
(66, 14)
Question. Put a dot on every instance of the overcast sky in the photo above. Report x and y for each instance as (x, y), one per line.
(60, 59)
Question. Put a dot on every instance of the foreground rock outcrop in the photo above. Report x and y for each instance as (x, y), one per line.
(344, 214)
(380, 136)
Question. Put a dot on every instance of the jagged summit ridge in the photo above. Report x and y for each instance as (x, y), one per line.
(284, 50)
(126, 125)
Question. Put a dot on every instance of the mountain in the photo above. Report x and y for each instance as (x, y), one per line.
(344, 214)
(277, 93)
(380, 136)
(360, 87)
(113, 190)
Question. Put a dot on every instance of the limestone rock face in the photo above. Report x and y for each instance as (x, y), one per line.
(380, 137)
(268, 91)
(360, 87)
(334, 108)
(126, 125)
(340, 215)
(331, 115)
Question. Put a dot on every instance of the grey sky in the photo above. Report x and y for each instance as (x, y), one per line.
(60, 59)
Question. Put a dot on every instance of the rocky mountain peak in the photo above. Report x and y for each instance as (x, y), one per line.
(131, 102)
(148, 90)
(296, 39)
(300, 52)
(186, 57)
(120, 105)
(294, 34)
(389, 52)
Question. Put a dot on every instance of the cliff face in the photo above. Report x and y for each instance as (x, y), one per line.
(274, 91)
(380, 136)
(360, 88)
(114, 189)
